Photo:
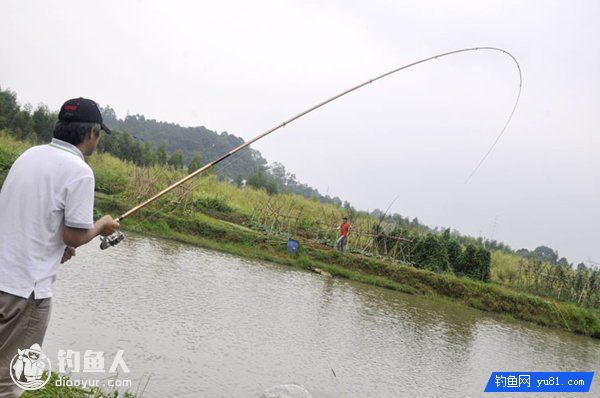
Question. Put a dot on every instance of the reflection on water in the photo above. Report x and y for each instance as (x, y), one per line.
(205, 324)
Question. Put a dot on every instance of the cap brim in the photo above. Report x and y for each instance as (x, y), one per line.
(106, 129)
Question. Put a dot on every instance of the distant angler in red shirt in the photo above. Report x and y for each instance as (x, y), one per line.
(344, 229)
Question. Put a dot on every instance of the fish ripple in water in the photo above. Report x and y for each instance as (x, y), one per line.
(286, 391)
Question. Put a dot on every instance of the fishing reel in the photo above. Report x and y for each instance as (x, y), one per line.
(111, 240)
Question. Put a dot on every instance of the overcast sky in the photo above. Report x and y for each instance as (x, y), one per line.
(244, 66)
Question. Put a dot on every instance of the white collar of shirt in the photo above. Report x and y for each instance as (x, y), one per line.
(65, 146)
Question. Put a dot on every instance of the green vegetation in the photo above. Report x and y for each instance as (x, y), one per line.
(259, 179)
(557, 281)
(255, 221)
(9, 151)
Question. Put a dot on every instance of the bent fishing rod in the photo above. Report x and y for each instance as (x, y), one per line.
(118, 236)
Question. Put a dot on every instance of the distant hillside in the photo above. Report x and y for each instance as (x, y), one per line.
(190, 140)
(247, 164)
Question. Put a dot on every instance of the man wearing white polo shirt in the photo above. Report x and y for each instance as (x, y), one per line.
(46, 211)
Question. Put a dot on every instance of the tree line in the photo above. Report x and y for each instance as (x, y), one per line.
(434, 251)
(37, 126)
(540, 253)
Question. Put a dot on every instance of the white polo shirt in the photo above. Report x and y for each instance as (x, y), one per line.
(48, 187)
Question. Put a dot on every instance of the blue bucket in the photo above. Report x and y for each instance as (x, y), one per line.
(293, 246)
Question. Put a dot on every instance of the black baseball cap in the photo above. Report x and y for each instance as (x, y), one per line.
(81, 110)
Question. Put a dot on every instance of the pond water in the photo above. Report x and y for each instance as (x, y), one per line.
(198, 323)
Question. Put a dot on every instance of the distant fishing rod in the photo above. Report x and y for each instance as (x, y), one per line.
(118, 236)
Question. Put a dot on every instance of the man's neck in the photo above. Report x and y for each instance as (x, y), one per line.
(83, 148)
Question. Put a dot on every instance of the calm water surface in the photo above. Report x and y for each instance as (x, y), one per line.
(199, 323)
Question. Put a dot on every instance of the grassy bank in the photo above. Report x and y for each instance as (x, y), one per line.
(220, 216)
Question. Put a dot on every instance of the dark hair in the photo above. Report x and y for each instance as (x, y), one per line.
(74, 132)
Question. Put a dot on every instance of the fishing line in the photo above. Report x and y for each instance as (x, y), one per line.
(107, 242)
